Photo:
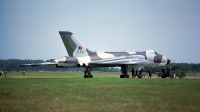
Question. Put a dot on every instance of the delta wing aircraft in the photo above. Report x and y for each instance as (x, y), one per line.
(81, 56)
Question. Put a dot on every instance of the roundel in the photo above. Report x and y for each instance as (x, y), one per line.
(156, 59)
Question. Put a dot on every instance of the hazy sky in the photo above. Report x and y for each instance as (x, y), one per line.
(29, 28)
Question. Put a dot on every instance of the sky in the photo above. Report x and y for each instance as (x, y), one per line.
(29, 29)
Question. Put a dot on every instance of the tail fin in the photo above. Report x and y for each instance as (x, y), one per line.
(73, 46)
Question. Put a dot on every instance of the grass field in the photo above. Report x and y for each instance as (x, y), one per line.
(105, 92)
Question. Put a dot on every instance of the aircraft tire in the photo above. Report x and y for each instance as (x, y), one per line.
(127, 76)
(86, 76)
(91, 76)
(163, 76)
(121, 76)
(139, 76)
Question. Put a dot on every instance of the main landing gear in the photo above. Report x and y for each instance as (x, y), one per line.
(87, 73)
(124, 72)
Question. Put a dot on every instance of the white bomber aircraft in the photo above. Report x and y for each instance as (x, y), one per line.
(81, 56)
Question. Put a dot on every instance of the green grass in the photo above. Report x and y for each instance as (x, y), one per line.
(105, 92)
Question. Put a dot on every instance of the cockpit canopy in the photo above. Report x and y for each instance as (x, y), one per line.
(152, 51)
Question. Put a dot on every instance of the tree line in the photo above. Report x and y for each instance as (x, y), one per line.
(13, 65)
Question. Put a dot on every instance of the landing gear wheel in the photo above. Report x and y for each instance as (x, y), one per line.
(139, 76)
(124, 76)
(87, 76)
(121, 76)
(163, 76)
(127, 76)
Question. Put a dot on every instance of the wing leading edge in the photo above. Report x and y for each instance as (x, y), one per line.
(38, 64)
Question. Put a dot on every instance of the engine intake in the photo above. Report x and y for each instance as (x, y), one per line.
(71, 60)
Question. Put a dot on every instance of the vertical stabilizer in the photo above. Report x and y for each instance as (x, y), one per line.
(73, 46)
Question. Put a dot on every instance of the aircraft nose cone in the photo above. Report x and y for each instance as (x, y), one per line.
(168, 61)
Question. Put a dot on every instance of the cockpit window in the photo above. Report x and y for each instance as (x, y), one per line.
(152, 51)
